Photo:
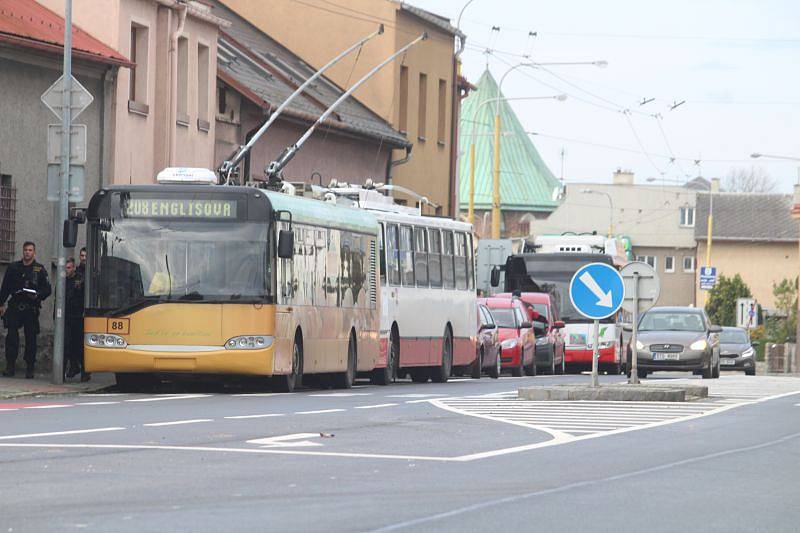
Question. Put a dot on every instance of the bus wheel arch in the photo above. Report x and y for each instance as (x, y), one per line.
(345, 380)
(289, 382)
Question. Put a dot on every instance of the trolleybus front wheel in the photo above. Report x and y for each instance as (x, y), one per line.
(441, 373)
(289, 382)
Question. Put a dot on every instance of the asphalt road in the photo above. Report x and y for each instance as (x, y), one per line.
(461, 456)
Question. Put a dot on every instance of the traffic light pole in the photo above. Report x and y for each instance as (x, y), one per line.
(63, 197)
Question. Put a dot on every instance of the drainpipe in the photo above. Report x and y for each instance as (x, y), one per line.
(173, 73)
(402, 161)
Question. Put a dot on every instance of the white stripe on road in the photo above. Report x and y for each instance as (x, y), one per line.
(262, 394)
(54, 433)
(376, 406)
(96, 403)
(319, 412)
(239, 417)
(165, 398)
(178, 422)
(341, 394)
(15, 409)
(414, 395)
(58, 406)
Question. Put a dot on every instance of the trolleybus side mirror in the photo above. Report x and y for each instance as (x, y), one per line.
(70, 235)
(286, 244)
(495, 277)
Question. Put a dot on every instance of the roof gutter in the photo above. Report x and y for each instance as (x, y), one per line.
(397, 162)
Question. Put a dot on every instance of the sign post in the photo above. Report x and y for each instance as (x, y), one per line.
(642, 289)
(596, 292)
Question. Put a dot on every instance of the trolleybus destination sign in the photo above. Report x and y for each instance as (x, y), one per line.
(179, 208)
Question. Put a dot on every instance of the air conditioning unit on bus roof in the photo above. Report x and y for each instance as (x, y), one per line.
(186, 176)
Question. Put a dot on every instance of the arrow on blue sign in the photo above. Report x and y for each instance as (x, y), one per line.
(597, 290)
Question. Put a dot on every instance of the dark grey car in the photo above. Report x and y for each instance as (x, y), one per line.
(677, 338)
(736, 351)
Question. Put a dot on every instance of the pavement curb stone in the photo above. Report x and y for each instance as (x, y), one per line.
(19, 387)
(623, 393)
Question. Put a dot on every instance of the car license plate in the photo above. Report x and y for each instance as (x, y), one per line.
(727, 362)
(666, 356)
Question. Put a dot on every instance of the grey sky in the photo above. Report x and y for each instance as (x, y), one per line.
(735, 63)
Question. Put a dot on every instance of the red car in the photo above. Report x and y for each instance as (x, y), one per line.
(487, 356)
(549, 341)
(515, 331)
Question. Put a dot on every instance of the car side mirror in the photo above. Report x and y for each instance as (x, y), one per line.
(488, 326)
(526, 325)
(559, 324)
(715, 329)
(495, 277)
(285, 244)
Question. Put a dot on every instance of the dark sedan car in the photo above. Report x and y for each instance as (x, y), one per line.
(736, 352)
(677, 338)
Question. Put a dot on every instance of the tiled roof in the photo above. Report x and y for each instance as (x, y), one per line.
(269, 72)
(526, 184)
(747, 217)
(29, 24)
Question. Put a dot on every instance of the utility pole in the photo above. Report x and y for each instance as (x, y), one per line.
(496, 179)
(63, 198)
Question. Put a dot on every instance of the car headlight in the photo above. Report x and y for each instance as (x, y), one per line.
(699, 345)
(104, 340)
(508, 343)
(639, 345)
(542, 341)
(748, 352)
(249, 342)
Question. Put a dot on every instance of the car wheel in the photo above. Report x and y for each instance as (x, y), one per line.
(494, 372)
(520, 369)
(290, 382)
(477, 365)
(750, 372)
(563, 368)
(716, 370)
(345, 380)
(708, 372)
(642, 374)
(531, 369)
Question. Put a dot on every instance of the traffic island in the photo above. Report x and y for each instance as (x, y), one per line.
(614, 393)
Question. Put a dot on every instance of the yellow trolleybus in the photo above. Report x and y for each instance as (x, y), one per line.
(208, 279)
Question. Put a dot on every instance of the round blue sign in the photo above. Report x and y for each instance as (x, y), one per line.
(596, 290)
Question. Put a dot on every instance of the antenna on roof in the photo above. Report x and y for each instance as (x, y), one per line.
(227, 167)
(274, 169)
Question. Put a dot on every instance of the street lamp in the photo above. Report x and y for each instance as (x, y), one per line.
(611, 209)
(471, 210)
(496, 162)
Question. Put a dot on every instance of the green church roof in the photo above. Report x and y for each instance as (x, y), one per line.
(526, 184)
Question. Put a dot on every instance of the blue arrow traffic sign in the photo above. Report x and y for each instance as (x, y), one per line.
(597, 290)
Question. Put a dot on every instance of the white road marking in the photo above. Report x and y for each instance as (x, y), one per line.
(428, 400)
(263, 394)
(341, 394)
(165, 398)
(285, 441)
(319, 412)
(56, 406)
(178, 422)
(240, 417)
(376, 406)
(96, 403)
(55, 433)
(413, 395)
(15, 409)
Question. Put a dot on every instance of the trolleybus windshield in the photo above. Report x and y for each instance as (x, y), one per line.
(141, 260)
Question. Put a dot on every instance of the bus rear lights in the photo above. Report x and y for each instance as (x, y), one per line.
(249, 342)
(105, 340)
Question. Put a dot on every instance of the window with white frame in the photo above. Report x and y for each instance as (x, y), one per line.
(649, 259)
(669, 264)
(687, 217)
(688, 264)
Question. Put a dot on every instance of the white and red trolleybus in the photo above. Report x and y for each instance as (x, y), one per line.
(428, 300)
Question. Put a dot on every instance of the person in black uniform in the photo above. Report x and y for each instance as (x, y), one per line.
(73, 331)
(81, 268)
(26, 284)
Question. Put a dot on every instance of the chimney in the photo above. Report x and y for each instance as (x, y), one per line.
(714, 184)
(623, 177)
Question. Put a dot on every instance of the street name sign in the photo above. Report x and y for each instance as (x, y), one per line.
(646, 291)
(597, 290)
(708, 277)
(79, 101)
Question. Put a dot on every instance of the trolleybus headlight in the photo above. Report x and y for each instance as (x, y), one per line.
(105, 340)
(249, 342)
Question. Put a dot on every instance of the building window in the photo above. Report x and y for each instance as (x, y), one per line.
(222, 106)
(403, 119)
(137, 90)
(649, 259)
(423, 107)
(183, 81)
(687, 217)
(440, 134)
(8, 219)
(202, 87)
(688, 264)
(669, 264)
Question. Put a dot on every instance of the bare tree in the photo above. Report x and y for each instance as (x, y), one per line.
(753, 179)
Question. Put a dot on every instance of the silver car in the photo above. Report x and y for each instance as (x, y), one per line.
(677, 338)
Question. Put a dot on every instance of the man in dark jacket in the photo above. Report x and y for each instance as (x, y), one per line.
(73, 330)
(26, 284)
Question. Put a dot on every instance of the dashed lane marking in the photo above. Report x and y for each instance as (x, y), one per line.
(319, 412)
(413, 395)
(55, 406)
(242, 417)
(376, 406)
(97, 403)
(167, 398)
(179, 422)
(341, 394)
(58, 433)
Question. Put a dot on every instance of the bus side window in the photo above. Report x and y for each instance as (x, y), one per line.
(392, 255)
(382, 253)
(406, 260)
(435, 257)
(448, 275)
(460, 260)
(333, 268)
(421, 256)
(470, 263)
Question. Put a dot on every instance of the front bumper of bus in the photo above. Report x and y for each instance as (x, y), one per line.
(180, 359)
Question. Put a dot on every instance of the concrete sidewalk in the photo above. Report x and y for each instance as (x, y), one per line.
(41, 385)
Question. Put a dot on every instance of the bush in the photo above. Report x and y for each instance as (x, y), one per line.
(721, 304)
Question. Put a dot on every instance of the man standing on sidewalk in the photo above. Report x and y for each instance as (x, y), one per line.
(26, 283)
(73, 332)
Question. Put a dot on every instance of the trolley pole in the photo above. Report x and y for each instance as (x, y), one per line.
(596, 354)
(63, 198)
